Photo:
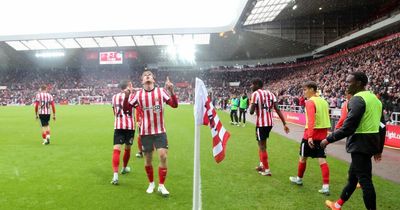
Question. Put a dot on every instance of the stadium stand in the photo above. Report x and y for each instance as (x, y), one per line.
(379, 59)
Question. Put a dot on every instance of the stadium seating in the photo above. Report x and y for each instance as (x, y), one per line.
(380, 60)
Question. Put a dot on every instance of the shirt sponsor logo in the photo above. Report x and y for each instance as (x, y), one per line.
(155, 109)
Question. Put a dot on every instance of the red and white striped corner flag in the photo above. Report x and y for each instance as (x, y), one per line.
(205, 114)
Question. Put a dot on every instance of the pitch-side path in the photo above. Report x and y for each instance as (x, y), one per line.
(388, 168)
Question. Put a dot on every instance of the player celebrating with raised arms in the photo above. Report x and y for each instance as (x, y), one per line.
(124, 129)
(42, 111)
(151, 100)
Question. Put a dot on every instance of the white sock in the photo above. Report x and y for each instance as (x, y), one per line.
(337, 205)
(47, 136)
(115, 175)
(299, 178)
(325, 186)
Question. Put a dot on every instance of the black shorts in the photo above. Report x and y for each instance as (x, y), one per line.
(262, 133)
(150, 141)
(242, 110)
(44, 119)
(122, 136)
(306, 151)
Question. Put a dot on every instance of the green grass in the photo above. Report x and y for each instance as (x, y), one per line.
(74, 172)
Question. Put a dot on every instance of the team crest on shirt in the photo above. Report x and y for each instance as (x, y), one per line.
(157, 109)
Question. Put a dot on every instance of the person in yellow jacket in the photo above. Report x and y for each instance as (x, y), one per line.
(316, 129)
(365, 128)
(234, 104)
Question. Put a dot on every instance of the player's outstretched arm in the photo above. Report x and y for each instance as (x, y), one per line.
(173, 101)
(53, 108)
(324, 143)
(378, 157)
(36, 109)
(278, 111)
(129, 99)
(252, 107)
(169, 86)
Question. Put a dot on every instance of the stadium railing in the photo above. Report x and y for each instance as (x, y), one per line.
(291, 108)
(395, 118)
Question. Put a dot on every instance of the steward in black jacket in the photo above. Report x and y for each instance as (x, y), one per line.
(365, 129)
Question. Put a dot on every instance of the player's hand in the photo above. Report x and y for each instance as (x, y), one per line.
(286, 128)
(130, 88)
(378, 157)
(127, 92)
(311, 143)
(54, 117)
(169, 86)
(324, 143)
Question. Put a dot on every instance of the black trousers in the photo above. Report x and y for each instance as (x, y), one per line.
(242, 112)
(234, 116)
(361, 171)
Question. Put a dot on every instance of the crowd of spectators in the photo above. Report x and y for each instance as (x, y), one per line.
(68, 86)
(380, 61)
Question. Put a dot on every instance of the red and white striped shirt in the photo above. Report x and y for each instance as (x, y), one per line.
(43, 101)
(264, 102)
(123, 119)
(152, 105)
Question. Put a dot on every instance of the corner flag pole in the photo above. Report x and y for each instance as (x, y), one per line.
(198, 115)
(196, 170)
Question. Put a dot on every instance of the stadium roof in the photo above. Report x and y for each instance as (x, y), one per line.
(49, 19)
(110, 41)
(292, 33)
(263, 11)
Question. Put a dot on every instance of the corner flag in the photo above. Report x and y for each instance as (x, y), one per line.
(205, 114)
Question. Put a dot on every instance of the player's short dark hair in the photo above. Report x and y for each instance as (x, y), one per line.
(360, 76)
(124, 84)
(43, 87)
(148, 71)
(311, 84)
(257, 82)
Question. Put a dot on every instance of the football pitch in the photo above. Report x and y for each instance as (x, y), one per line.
(74, 171)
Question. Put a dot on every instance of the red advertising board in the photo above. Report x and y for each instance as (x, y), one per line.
(292, 117)
(392, 131)
(392, 136)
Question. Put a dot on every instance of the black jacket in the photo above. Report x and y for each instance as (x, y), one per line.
(367, 143)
